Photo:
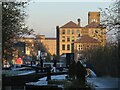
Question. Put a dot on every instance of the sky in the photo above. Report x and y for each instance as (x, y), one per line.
(43, 17)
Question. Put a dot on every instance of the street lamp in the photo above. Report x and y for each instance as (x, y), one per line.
(79, 37)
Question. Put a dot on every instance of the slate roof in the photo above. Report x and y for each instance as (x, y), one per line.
(86, 39)
(93, 25)
(50, 38)
(70, 24)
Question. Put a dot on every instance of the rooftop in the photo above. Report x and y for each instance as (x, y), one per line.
(93, 25)
(70, 24)
(86, 39)
(27, 36)
(49, 38)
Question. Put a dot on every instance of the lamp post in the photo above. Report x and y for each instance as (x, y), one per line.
(79, 37)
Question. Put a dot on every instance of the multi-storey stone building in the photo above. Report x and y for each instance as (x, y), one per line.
(30, 44)
(86, 37)
(49, 43)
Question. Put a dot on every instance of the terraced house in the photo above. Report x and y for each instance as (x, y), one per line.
(72, 36)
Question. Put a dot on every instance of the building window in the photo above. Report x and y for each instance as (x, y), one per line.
(68, 39)
(68, 47)
(32, 45)
(77, 32)
(79, 35)
(63, 31)
(63, 47)
(72, 31)
(96, 31)
(72, 38)
(101, 32)
(94, 20)
(91, 31)
(68, 31)
(63, 38)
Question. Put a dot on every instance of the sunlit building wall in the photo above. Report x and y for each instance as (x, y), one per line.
(29, 49)
(70, 32)
(49, 43)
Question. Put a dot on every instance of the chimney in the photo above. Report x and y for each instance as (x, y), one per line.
(78, 21)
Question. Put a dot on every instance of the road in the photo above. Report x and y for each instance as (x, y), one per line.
(104, 83)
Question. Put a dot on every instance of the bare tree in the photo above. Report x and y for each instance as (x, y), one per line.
(13, 17)
(111, 19)
(106, 59)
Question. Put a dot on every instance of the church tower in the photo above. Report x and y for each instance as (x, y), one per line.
(94, 17)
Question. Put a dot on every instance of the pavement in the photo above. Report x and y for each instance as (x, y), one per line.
(98, 83)
(104, 83)
(0, 83)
